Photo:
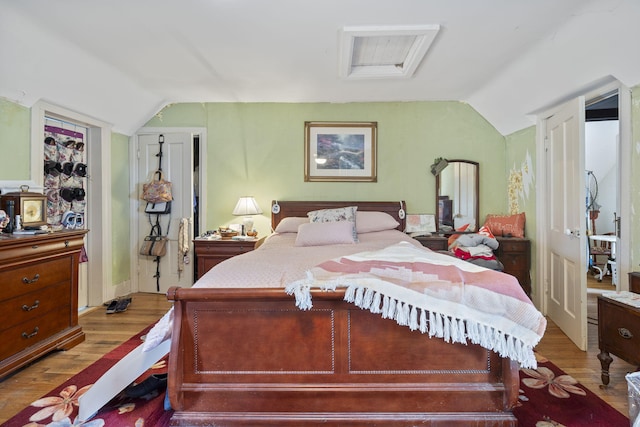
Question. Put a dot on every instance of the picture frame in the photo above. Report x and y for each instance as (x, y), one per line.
(420, 223)
(340, 151)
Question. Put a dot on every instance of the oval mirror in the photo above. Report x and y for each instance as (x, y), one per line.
(457, 196)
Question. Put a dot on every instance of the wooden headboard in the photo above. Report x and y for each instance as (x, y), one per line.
(300, 208)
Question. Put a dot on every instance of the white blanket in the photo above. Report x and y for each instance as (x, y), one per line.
(437, 294)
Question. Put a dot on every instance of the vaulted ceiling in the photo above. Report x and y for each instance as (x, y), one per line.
(122, 61)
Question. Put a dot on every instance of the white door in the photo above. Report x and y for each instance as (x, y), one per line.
(176, 161)
(566, 297)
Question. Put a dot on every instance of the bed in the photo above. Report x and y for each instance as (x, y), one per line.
(247, 356)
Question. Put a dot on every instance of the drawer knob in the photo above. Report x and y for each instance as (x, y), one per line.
(27, 281)
(32, 334)
(625, 333)
(35, 305)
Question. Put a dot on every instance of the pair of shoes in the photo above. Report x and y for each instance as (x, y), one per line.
(153, 382)
(122, 305)
(73, 220)
(118, 305)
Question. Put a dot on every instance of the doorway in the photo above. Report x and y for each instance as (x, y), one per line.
(97, 273)
(177, 153)
(602, 130)
(573, 286)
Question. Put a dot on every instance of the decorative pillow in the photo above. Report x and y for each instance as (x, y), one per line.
(453, 237)
(334, 215)
(325, 233)
(290, 224)
(370, 221)
(506, 225)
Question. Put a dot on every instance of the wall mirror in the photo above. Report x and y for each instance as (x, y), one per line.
(457, 195)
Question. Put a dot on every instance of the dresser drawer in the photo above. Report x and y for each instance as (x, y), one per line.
(34, 276)
(619, 330)
(435, 243)
(30, 248)
(225, 249)
(34, 304)
(515, 261)
(513, 245)
(31, 332)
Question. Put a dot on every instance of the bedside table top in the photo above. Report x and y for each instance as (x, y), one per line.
(205, 240)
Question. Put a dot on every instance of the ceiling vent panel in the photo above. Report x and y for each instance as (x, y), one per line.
(384, 52)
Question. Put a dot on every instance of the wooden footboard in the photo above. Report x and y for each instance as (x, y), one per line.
(249, 357)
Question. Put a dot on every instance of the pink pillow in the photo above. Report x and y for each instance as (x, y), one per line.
(506, 225)
(336, 215)
(325, 233)
(290, 224)
(367, 222)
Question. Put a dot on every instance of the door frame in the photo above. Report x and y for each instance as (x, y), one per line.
(623, 256)
(134, 151)
(98, 243)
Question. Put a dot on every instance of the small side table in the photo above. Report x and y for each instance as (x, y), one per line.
(618, 333)
(212, 252)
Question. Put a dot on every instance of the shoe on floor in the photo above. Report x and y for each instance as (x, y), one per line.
(111, 308)
(122, 305)
(153, 382)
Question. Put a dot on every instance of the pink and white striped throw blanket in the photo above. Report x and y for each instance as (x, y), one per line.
(436, 294)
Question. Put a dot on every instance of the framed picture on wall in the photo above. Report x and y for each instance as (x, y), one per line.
(340, 151)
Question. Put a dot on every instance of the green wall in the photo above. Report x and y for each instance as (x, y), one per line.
(521, 185)
(258, 149)
(15, 141)
(120, 200)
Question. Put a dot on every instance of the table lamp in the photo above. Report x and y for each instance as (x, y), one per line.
(246, 207)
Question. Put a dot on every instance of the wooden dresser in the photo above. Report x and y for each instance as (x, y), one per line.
(513, 253)
(39, 302)
(212, 252)
(618, 330)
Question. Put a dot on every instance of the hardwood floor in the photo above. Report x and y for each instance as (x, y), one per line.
(105, 332)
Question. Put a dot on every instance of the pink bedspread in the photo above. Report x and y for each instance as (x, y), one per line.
(274, 265)
(278, 262)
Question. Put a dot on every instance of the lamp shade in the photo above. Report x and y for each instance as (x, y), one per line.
(247, 206)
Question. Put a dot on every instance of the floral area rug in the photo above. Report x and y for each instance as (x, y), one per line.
(551, 398)
(548, 398)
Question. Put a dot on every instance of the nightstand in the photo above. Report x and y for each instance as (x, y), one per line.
(618, 333)
(212, 252)
(634, 282)
(515, 254)
(435, 243)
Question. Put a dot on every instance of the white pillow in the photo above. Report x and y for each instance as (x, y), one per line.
(335, 215)
(290, 224)
(325, 233)
(370, 221)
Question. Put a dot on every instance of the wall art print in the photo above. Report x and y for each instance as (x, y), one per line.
(340, 151)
